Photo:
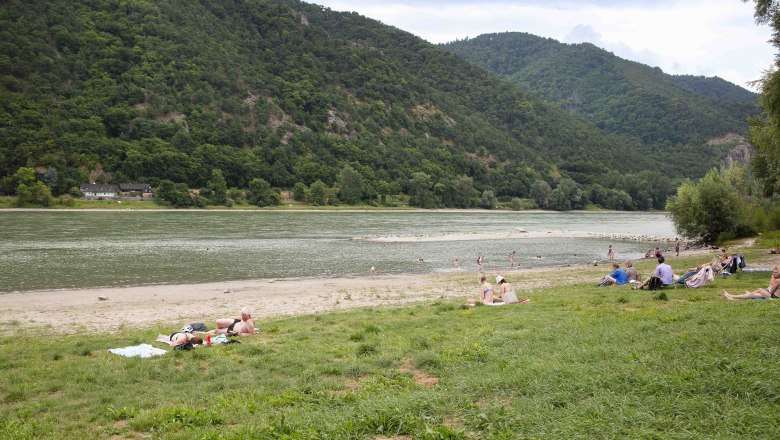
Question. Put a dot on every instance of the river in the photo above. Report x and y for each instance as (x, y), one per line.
(76, 249)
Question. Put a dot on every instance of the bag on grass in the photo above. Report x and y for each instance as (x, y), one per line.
(655, 284)
(185, 346)
(605, 282)
(199, 327)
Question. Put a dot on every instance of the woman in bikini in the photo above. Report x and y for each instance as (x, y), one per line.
(244, 325)
(486, 293)
(180, 338)
(770, 292)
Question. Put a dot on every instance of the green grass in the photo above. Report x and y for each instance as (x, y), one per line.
(578, 361)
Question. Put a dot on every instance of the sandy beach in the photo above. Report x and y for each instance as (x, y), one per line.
(80, 310)
(173, 305)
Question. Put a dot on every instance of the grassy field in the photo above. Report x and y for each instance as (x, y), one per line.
(578, 361)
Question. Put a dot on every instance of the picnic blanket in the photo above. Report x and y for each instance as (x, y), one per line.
(144, 351)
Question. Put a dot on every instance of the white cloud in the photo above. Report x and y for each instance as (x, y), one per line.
(700, 37)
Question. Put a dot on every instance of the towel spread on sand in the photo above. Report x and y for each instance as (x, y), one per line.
(143, 350)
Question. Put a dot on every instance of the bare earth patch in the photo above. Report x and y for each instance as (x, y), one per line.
(420, 377)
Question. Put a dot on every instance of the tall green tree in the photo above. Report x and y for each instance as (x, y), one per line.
(261, 193)
(351, 185)
(765, 131)
(709, 210)
(420, 191)
(318, 193)
(218, 187)
(540, 193)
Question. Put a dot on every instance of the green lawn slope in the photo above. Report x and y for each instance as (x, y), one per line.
(578, 361)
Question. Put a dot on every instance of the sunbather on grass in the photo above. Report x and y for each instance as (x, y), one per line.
(180, 338)
(768, 293)
(238, 326)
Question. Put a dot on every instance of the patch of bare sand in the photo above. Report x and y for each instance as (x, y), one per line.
(420, 377)
(80, 310)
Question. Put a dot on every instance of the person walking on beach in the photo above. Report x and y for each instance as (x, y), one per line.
(480, 260)
(512, 259)
(456, 264)
(677, 246)
(610, 254)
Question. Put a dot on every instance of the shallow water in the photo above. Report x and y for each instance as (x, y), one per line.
(56, 249)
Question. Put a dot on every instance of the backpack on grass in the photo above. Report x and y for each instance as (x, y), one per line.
(655, 284)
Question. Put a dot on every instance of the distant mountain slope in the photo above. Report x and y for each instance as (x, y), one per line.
(673, 116)
(283, 90)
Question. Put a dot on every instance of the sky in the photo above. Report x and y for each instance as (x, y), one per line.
(694, 37)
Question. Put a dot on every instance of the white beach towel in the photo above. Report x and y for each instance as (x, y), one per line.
(143, 350)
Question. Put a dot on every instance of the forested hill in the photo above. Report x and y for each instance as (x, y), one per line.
(288, 92)
(674, 116)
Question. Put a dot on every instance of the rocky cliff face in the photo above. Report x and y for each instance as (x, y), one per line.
(739, 149)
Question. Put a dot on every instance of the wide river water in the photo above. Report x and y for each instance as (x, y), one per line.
(74, 249)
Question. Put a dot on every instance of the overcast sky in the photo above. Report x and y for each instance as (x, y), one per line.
(695, 37)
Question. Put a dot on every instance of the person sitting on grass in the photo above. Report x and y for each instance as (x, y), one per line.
(508, 292)
(662, 271)
(486, 293)
(238, 326)
(617, 277)
(631, 273)
(768, 293)
(721, 261)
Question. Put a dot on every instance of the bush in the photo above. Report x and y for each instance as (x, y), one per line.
(709, 210)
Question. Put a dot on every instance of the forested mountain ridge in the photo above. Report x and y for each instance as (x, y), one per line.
(286, 91)
(673, 116)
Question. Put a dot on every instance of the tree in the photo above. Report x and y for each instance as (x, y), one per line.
(25, 175)
(299, 191)
(351, 184)
(488, 200)
(420, 191)
(261, 194)
(173, 194)
(218, 187)
(317, 193)
(709, 210)
(765, 131)
(540, 193)
(383, 189)
(464, 191)
(51, 178)
(35, 194)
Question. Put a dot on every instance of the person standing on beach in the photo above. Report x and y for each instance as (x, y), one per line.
(512, 259)
(677, 246)
(480, 260)
(610, 254)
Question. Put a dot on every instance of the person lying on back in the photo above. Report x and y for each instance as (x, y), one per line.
(238, 326)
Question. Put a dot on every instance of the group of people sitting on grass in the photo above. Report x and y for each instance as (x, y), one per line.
(236, 326)
(621, 276)
(505, 294)
(694, 277)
